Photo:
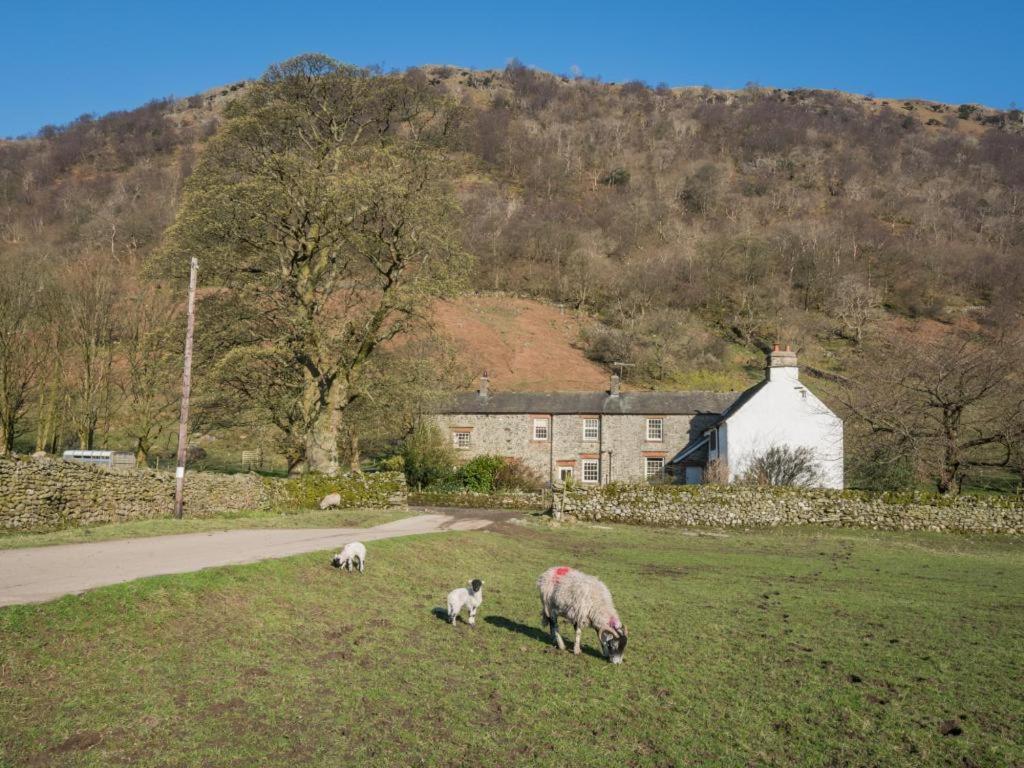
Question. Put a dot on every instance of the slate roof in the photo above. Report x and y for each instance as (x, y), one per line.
(740, 401)
(626, 403)
(696, 449)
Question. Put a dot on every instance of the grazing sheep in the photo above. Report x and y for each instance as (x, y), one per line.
(330, 500)
(586, 602)
(465, 597)
(351, 554)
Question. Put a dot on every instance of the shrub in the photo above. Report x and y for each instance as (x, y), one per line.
(782, 465)
(479, 474)
(617, 177)
(427, 457)
(716, 473)
(965, 111)
(514, 475)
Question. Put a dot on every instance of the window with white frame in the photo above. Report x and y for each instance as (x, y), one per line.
(591, 429)
(656, 430)
(540, 429)
(564, 473)
(654, 467)
(462, 438)
(590, 471)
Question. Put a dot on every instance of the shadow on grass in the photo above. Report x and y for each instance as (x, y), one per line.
(440, 613)
(535, 633)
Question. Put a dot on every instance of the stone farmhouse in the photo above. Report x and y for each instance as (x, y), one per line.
(615, 436)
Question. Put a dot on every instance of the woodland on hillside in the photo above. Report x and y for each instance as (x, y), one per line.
(693, 227)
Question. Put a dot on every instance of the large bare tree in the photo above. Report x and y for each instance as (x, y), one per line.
(323, 213)
(949, 404)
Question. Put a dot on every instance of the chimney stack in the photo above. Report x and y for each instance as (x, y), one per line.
(614, 389)
(782, 364)
(485, 386)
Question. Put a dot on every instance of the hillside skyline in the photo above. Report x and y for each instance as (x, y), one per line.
(108, 59)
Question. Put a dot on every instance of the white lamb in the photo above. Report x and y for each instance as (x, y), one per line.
(586, 602)
(352, 554)
(470, 597)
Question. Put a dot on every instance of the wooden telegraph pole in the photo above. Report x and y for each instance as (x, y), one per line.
(186, 388)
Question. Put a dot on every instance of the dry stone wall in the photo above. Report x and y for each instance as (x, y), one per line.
(743, 506)
(45, 494)
(497, 500)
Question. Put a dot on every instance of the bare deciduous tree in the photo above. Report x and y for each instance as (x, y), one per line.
(149, 379)
(950, 403)
(21, 354)
(91, 290)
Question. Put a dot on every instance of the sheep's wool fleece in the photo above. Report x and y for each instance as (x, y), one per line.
(581, 599)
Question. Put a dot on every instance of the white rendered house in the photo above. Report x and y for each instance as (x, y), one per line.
(778, 412)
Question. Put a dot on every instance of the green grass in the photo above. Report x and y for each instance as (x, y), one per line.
(786, 647)
(328, 518)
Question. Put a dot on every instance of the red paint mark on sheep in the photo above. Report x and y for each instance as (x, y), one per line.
(560, 572)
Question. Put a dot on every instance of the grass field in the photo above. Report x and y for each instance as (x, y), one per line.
(787, 647)
(327, 518)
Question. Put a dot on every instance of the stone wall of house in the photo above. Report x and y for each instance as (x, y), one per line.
(45, 494)
(621, 448)
(745, 506)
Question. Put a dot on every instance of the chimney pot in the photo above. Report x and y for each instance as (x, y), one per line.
(485, 384)
(775, 347)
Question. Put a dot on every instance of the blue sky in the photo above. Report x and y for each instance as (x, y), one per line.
(61, 59)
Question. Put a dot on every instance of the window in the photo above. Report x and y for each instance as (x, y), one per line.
(590, 472)
(713, 440)
(655, 430)
(540, 429)
(564, 473)
(591, 429)
(654, 467)
(461, 438)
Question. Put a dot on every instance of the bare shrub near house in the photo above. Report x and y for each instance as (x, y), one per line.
(783, 465)
(716, 473)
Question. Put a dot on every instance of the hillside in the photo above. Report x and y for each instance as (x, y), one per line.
(523, 345)
(680, 230)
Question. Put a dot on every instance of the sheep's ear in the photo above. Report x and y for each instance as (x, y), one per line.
(624, 633)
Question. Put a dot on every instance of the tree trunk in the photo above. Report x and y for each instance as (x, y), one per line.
(141, 452)
(354, 459)
(6, 438)
(325, 428)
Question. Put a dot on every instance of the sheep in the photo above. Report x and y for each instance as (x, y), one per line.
(470, 597)
(351, 554)
(586, 602)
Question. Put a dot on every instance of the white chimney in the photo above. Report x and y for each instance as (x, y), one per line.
(485, 385)
(782, 364)
(614, 389)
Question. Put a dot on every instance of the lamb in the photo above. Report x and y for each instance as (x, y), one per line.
(351, 554)
(470, 597)
(586, 602)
